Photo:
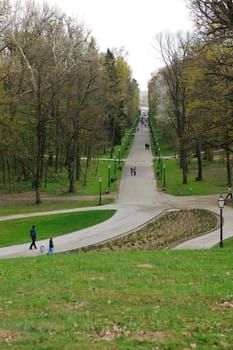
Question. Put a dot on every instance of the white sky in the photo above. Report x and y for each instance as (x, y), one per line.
(131, 24)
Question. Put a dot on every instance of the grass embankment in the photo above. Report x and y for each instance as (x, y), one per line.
(123, 300)
(12, 207)
(145, 299)
(214, 178)
(164, 232)
(17, 231)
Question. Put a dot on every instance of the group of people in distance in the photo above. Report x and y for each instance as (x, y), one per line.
(42, 247)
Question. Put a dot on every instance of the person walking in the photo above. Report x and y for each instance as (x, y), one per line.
(33, 237)
(51, 246)
(229, 193)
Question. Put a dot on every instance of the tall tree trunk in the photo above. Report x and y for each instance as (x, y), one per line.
(78, 155)
(228, 165)
(71, 165)
(71, 175)
(41, 139)
(184, 162)
(208, 155)
(3, 170)
(87, 164)
(8, 174)
(199, 163)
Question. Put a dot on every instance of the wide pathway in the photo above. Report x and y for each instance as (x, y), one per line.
(138, 202)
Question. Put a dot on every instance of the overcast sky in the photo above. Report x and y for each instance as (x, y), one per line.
(131, 24)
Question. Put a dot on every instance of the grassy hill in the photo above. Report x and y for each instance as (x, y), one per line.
(120, 300)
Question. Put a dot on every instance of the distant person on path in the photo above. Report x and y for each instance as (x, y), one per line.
(229, 193)
(134, 171)
(131, 171)
(33, 237)
(51, 246)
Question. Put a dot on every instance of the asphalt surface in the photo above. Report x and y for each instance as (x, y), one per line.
(138, 202)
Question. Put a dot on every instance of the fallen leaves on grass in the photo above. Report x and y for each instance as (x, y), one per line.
(115, 331)
(228, 304)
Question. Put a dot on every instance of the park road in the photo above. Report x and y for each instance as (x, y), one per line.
(138, 202)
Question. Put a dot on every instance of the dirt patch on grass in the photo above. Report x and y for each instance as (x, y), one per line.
(145, 266)
(225, 304)
(115, 331)
(9, 336)
(164, 232)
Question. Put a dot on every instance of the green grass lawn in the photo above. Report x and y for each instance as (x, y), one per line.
(17, 231)
(214, 178)
(57, 183)
(142, 300)
(126, 300)
(21, 206)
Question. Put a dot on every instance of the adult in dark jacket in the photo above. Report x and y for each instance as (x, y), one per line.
(33, 237)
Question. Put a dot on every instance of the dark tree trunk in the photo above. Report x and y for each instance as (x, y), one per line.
(199, 163)
(184, 162)
(41, 137)
(228, 165)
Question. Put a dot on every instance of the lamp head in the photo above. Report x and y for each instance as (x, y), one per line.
(221, 202)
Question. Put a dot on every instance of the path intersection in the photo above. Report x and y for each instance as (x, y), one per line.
(138, 202)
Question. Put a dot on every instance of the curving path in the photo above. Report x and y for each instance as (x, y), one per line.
(138, 202)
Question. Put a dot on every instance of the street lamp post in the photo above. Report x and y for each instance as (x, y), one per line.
(100, 183)
(221, 206)
(122, 150)
(164, 177)
(114, 166)
(109, 167)
(161, 168)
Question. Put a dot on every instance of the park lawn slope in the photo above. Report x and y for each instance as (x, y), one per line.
(121, 300)
(17, 231)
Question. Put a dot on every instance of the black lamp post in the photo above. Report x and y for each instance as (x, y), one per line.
(164, 177)
(114, 166)
(122, 149)
(221, 206)
(119, 155)
(109, 167)
(100, 183)
(161, 168)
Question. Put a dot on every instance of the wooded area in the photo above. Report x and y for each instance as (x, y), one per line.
(60, 98)
(192, 94)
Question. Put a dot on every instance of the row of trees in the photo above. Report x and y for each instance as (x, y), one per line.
(60, 98)
(193, 93)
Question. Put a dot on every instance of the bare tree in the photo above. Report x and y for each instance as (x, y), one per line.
(29, 40)
(213, 18)
(175, 53)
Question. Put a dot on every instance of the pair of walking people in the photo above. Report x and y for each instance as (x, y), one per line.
(133, 171)
(33, 243)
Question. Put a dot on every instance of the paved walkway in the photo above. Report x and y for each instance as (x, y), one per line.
(138, 202)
